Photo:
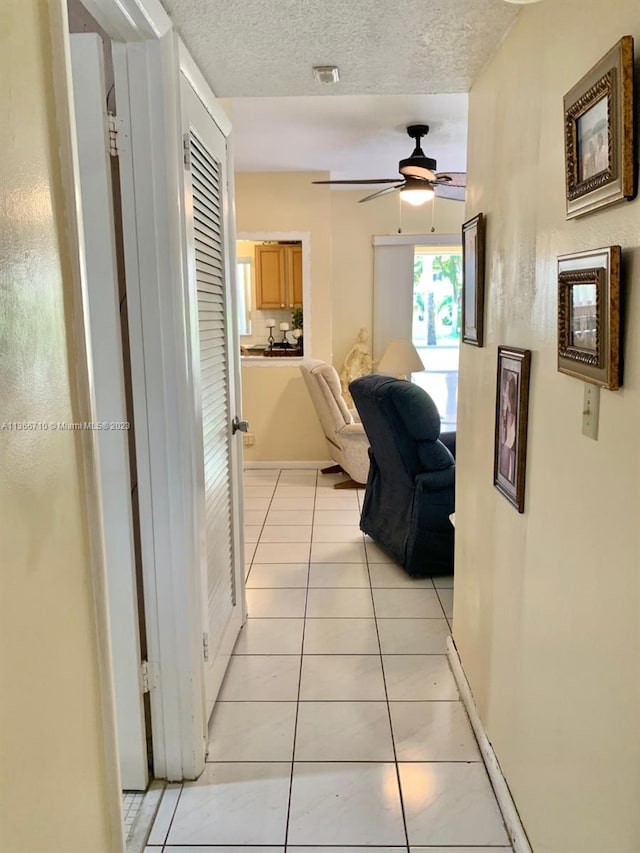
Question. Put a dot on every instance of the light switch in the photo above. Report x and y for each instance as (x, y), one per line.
(591, 411)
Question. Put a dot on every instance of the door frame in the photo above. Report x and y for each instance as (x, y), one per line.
(148, 61)
(94, 163)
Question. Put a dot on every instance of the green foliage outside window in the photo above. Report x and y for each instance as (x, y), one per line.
(449, 310)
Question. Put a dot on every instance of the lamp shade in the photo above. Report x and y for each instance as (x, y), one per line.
(400, 358)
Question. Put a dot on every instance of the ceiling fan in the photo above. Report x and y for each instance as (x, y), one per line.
(419, 181)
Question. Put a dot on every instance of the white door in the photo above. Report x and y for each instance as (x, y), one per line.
(214, 347)
(109, 389)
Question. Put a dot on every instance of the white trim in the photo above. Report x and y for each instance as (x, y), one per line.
(82, 370)
(271, 361)
(109, 380)
(503, 794)
(147, 77)
(303, 237)
(136, 273)
(179, 581)
(418, 240)
(312, 463)
(201, 88)
(130, 20)
(235, 371)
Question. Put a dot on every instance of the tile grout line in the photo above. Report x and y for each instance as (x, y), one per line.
(175, 809)
(289, 701)
(386, 694)
(295, 723)
(371, 589)
(275, 486)
(287, 846)
(441, 605)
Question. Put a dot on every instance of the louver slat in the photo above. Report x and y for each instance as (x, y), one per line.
(214, 381)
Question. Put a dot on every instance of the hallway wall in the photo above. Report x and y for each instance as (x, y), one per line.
(58, 740)
(547, 604)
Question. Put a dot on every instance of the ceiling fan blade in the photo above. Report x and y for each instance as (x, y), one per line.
(381, 192)
(453, 179)
(451, 192)
(363, 181)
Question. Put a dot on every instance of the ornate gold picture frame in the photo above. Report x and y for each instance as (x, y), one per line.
(598, 132)
(589, 316)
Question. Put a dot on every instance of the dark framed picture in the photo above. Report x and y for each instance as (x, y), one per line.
(589, 316)
(473, 238)
(512, 414)
(598, 133)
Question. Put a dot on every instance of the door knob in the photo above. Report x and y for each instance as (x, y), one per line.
(238, 425)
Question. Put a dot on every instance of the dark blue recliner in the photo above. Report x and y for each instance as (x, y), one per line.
(411, 486)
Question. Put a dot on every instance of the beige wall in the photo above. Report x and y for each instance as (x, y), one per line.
(275, 400)
(352, 227)
(278, 407)
(288, 201)
(53, 791)
(546, 615)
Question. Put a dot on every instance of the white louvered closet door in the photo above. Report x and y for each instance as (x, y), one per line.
(212, 345)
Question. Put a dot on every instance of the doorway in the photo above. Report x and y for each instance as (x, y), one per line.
(171, 414)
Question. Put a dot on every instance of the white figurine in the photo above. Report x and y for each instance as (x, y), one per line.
(357, 363)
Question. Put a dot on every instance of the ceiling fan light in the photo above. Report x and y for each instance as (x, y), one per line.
(415, 196)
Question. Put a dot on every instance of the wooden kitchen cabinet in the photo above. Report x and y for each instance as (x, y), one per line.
(278, 269)
(295, 276)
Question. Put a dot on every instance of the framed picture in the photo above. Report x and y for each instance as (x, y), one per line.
(589, 316)
(473, 234)
(512, 410)
(598, 134)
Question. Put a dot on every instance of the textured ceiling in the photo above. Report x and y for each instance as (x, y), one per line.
(255, 48)
(350, 136)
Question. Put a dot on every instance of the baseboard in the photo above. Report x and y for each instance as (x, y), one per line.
(503, 794)
(312, 463)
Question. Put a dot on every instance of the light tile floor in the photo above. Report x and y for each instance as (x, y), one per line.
(131, 805)
(339, 724)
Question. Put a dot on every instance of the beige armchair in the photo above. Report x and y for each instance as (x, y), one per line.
(348, 443)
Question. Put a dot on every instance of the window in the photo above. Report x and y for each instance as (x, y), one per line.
(243, 286)
(437, 318)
